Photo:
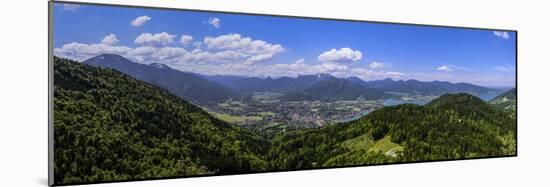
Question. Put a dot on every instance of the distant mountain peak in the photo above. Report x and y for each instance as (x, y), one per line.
(110, 58)
(414, 80)
(160, 66)
(446, 82)
(109, 55)
(188, 86)
(323, 75)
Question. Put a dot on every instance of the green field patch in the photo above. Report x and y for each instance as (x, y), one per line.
(363, 142)
(236, 119)
(266, 96)
(384, 145)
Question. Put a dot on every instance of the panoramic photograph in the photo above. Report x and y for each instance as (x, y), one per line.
(142, 93)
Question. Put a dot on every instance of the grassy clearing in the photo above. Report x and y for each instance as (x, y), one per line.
(365, 143)
(236, 119)
(384, 145)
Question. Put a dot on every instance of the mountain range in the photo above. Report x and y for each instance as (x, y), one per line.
(332, 89)
(199, 88)
(186, 85)
(280, 85)
(424, 88)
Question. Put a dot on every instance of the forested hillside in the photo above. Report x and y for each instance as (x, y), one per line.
(109, 126)
(454, 126)
(506, 101)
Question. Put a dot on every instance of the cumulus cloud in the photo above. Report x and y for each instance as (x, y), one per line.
(501, 34)
(157, 39)
(395, 74)
(445, 68)
(254, 50)
(155, 48)
(216, 22)
(110, 39)
(369, 74)
(186, 39)
(300, 61)
(80, 52)
(343, 55)
(71, 7)
(139, 21)
(222, 55)
(376, 65)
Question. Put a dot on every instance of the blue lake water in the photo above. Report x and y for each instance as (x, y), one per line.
(352, 118)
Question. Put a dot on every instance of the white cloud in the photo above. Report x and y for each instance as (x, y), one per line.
(501, 34)
(154, 48)
(168, 53)
(110, 39)
(157, 39)
(445, 68)
(395, 74)
(331, 67)
(504, 68)
(218, 62)
(79, 51)
(71, 7)
(223, 55)
(376, 65)
(343, 55)
(216, 22)
(452, 68)
(254, 50)
(139, 21)
(186, 39)
(369, 74)
(229, 54)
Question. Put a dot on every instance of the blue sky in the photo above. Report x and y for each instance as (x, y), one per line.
(232, 44)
